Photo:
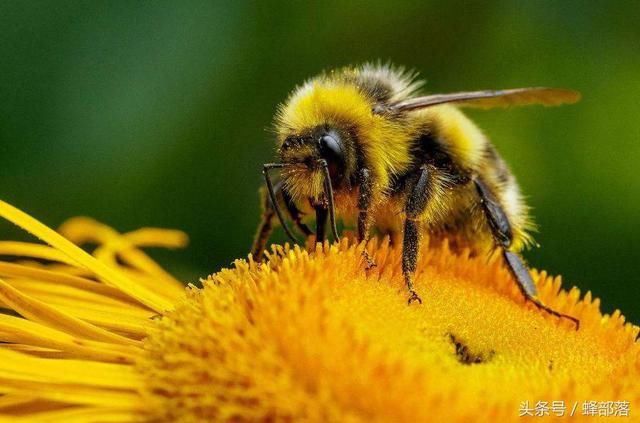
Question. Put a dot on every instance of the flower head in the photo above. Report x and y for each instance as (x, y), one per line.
(306, 336)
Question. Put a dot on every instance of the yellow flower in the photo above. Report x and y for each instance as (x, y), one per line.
(112, 337)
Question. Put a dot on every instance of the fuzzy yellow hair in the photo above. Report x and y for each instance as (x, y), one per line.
(385, 144)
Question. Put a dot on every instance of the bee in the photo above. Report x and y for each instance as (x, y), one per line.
(363, 145)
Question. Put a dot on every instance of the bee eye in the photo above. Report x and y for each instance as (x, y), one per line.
(331, 149)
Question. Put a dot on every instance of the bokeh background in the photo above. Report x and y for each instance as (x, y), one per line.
(155, 113)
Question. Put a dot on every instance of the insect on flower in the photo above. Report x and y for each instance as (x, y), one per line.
(361, 144)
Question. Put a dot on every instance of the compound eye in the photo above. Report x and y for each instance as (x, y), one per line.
(331, 150)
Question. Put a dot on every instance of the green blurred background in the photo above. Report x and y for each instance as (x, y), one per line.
(155, 113)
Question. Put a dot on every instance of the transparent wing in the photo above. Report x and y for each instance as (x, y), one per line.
(498, 98)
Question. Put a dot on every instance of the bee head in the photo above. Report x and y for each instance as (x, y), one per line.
(307, 154)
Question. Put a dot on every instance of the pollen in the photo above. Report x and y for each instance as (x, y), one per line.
(310, 334)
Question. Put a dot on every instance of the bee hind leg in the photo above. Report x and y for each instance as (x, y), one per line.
(503, 236)
(265, 227)
(521, 274)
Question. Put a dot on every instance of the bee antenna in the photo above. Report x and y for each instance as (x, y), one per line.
(272, 195)
(329, 193)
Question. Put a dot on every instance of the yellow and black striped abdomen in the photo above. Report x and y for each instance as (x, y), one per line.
(456, 152)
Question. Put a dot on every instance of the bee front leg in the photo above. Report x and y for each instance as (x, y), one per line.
(365, 183)
(503, 236)
(295, 214)
(415, 206)
(322, 217)
(265, 227)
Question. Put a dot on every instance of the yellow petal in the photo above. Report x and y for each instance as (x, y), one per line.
(64, 277)
(109, 275)
(26, 368)
(27, 249)
(81, 230)
(54, 294)
(21, 331)
(71, 394)
(38, 311)
(82, 415)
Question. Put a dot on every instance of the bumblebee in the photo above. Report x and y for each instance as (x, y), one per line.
(361, 144)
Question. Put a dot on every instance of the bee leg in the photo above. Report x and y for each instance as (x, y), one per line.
(416, 204)
(322, 217)
(501, 230)
(295, 214)
(365, 183)
(265, 227)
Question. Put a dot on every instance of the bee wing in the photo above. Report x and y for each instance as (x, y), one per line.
(489, 99)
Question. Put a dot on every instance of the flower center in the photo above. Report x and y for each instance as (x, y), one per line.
(316, 336)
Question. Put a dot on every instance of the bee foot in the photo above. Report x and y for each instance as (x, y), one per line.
(413, 296)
